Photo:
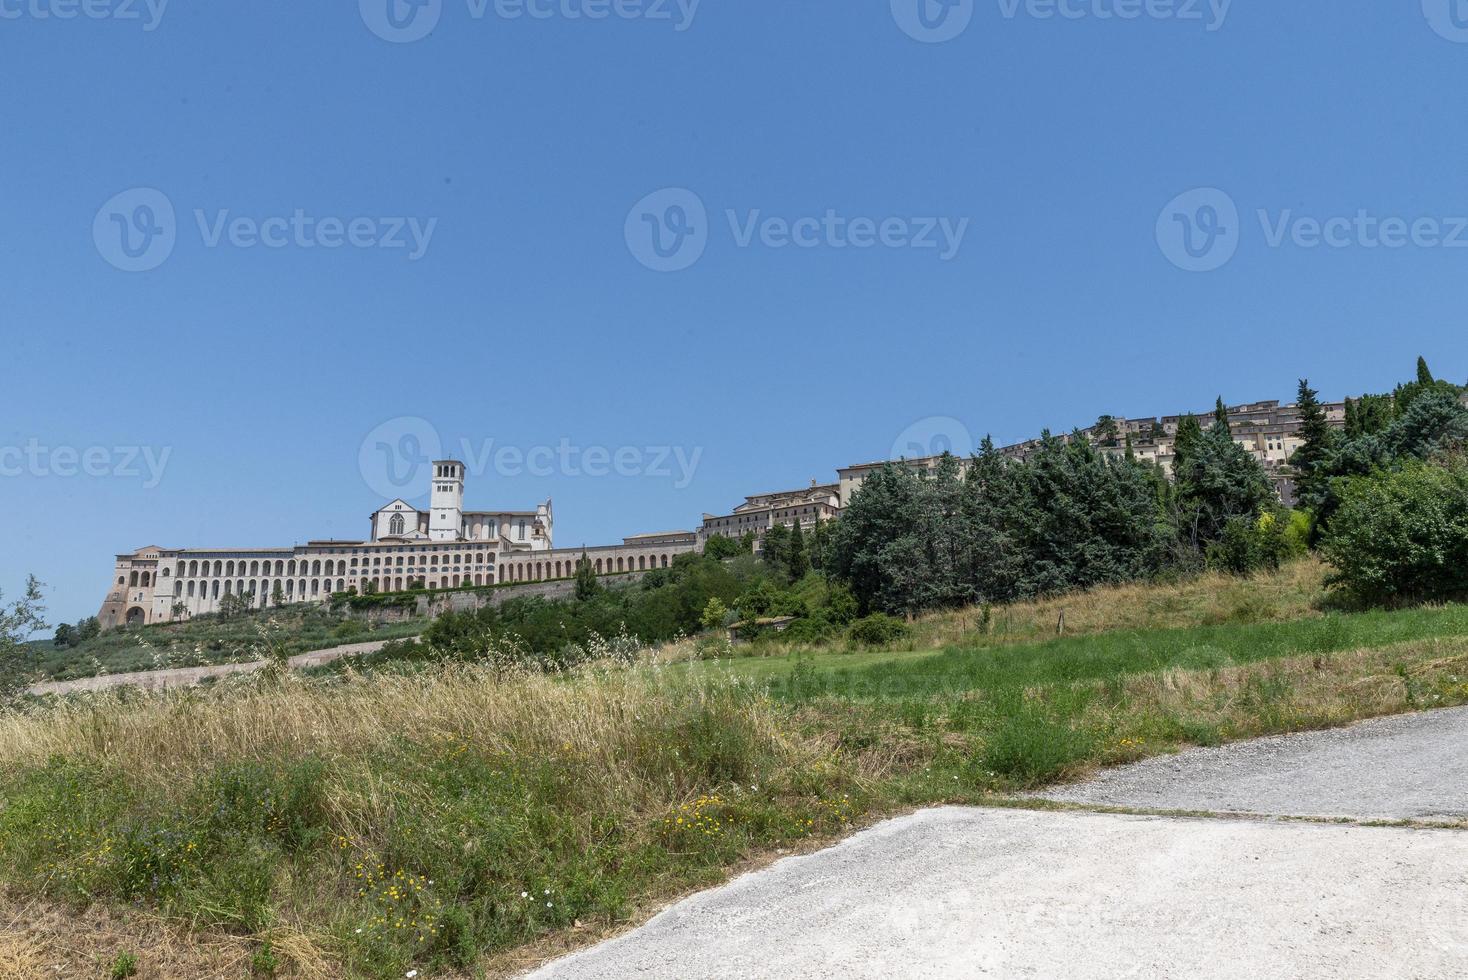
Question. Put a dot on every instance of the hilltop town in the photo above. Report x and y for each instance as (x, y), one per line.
(447, 546)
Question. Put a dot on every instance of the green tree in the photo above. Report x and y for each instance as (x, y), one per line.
(775, 548)
(1311, 460)
(721, 547)
(1220, 416)
(87, 629)
(714, 613)
(587, 586)
(1189, 434)
(820, 542)
(1402, 535)
(65, 636)
(1217, 481)
(18, 621)
(1106, 431)
(797, 560)
(277, 595)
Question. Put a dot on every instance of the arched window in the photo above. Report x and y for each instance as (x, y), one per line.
(395, 526)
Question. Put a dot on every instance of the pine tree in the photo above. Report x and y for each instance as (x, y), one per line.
(1424, 376)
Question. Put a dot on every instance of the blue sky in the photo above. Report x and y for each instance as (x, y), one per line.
(1078, 155)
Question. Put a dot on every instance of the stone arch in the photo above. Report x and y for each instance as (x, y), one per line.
(136, 616)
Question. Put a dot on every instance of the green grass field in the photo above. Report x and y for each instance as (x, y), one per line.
(468, 818)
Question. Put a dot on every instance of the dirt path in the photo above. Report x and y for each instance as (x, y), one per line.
(189, 676)
(963, 892)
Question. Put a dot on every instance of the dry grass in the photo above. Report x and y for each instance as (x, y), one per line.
(1300, 693)
(165, 736)
(1296, 591)
(40, 939)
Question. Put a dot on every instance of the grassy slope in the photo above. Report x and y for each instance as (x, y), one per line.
(295, 629)
(379, 825)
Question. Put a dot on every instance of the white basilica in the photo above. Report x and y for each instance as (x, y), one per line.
(444, 547)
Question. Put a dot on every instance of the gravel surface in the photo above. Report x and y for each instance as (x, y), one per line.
(1013, 893)
(1402, 767)
(958, 892)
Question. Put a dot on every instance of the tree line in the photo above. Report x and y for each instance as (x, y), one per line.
(1070, 516)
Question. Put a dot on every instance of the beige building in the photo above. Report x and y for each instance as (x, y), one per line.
(442, 547)
(1268, 430)
(759, 513)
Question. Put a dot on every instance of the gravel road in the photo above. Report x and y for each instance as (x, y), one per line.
(972, 892)
(1402, 767)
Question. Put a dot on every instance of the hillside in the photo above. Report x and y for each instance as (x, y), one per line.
(210, 640)
(457, 815)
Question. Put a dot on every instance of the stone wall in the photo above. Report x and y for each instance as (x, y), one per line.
(436, 605)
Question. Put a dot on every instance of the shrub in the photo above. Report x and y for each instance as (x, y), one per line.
(877, 630)
(1402, 536)
(1264, 543)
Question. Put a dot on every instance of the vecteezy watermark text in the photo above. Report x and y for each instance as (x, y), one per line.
(936, 21)
(668, 231)
(396, 459)
(124, 462)
(1201, 230)
(137, 230)
(147, 12)
(405, 21)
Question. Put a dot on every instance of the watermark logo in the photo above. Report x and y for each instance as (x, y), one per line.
(148, 12)
(933, 436)
(1199, 230)
(933, 21)
(396, 457)
(668, 230)
(405, 21)
(136, 230)
(401, 21)
(1449, 18)
(1211, 13)
(34, 459)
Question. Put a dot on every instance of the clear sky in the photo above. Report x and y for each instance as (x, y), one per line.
(870, 216)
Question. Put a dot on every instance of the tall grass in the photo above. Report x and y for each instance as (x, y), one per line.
(403, 818)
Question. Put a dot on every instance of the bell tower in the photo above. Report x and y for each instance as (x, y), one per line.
(446, 505)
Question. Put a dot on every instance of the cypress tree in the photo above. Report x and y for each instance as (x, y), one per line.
(797, 561)
(1220, 416)
(1185, 443)
(586, 584)
(1310, 460)
(1424, 376)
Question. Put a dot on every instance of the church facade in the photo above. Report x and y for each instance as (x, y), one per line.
(442, 547)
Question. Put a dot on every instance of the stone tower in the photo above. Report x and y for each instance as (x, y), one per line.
(446, 506)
